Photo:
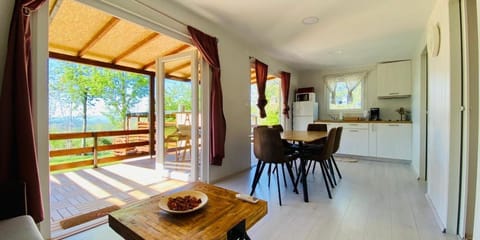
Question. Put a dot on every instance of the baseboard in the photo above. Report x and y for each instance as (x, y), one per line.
(403, 161)
(441, 225)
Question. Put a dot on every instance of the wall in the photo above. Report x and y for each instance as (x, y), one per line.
(476, 229)
(418, 109)
(443, 121)
(387, 106)
(5, 18)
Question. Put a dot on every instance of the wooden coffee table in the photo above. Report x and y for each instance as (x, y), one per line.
(223, 217)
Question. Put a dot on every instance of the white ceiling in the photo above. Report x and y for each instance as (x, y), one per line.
(349, 32)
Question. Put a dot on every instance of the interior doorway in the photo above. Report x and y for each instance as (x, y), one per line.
(273, 108)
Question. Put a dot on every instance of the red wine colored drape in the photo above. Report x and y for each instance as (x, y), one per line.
(261, 71)
(207, 45)
(18, 158)
(285, 76)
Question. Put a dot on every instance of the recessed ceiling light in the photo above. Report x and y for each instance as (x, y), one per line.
(310, 20)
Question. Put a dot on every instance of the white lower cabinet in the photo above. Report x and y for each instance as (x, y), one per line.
(381, 140)
(394, 141)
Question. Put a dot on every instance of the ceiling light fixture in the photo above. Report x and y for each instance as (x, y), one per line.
(310, 20)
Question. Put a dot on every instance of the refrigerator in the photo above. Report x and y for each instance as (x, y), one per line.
(304, 113)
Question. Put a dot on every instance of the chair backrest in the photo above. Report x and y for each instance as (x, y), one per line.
(338, 136)
(317, 127)
(278, 126)
(267, 144)
(327, 150)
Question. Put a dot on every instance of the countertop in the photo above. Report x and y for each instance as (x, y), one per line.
(363, 121)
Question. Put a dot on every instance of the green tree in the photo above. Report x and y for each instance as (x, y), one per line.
(122, 91)
(81, 84)
(177, 93)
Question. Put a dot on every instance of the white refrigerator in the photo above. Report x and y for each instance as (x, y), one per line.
(304, 113)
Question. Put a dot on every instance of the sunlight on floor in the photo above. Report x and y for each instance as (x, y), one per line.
(112, 182)
(53, 179)
(87, 185)
(116, 201)
(139, 175)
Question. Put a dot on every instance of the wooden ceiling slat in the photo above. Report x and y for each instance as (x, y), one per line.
(170, 71)
(98, 36)
(98, 63)
(53, 12)
(173, 51)
(135, 47)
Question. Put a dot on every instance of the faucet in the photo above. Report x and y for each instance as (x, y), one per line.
(333, 117)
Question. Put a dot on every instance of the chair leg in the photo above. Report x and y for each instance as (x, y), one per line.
(257, 170)
(257, 178)
(269, 173)
(290, 172)
(309, 165)
(278, 187)
(325, 179)
(325, 165)
(313, 170)
(332, 173)
(283, 172)
(338, 171)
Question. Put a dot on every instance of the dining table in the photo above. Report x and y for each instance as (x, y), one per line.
(303, 137)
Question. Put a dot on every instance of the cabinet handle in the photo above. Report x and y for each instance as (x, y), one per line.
(394, 93)
(393, 125)
(353, 131)
(353, 124)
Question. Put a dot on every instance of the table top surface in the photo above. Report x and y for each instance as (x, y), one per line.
(145, 219)
(303, 136)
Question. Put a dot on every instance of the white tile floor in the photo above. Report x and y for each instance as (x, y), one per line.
(374, 200)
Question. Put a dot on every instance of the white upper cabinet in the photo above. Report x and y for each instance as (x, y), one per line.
(394, 79)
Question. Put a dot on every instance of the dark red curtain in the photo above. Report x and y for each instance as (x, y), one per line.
(261, 71)
(285, 76)
(218, 127)
(18, 158)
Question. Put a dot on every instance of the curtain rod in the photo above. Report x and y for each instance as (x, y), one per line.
(161, 13)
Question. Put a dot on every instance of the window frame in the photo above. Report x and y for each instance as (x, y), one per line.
(336, 111)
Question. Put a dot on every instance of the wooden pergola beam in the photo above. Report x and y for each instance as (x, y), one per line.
(53, 12)
(98, 63)
(99, 35)
(173, 51)
(135, 47)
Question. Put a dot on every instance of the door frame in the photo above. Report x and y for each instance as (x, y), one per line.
(195, 163)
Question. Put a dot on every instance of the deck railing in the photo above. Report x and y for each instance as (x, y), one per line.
(135, 138)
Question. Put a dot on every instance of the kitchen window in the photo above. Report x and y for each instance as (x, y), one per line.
(345, 92)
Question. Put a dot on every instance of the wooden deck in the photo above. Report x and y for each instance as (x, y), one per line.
(83, 191)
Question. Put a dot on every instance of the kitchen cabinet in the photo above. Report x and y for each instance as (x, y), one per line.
(387, 140)
(354, 139)
(394, 79)
(394, 141)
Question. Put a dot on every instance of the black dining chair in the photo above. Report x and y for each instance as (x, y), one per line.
(322, 155)
(315, 144)
(338, 137)
(268, 149)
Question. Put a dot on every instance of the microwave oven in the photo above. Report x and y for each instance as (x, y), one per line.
(302, 97)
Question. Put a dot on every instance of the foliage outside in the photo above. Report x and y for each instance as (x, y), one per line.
(89, 98)
(272, 92)
(341, 97)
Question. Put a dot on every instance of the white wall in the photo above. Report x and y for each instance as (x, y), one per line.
(387, 106)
